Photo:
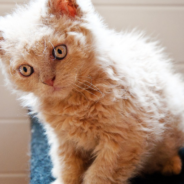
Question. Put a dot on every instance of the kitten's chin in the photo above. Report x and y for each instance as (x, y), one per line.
(61, 92)
(56, 89)
(53, 92)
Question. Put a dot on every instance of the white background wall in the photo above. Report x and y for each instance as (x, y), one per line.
(14, 130)
(161, 19)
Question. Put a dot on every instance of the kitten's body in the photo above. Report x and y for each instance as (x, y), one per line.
(116, 108)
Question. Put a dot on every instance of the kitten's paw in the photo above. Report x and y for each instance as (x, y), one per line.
(173, 166)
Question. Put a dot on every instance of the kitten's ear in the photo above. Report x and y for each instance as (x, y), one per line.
(67, 7)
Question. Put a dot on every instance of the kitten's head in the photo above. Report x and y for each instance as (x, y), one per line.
(46, 46)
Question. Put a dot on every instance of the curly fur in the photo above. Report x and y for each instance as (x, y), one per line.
(116, 108)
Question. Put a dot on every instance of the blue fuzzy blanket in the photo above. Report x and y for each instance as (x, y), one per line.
(41, 164)
(40, 160)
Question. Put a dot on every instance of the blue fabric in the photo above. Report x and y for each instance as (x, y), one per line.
(40, 160)
(41, 164)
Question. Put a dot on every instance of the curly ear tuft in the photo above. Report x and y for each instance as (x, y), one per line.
(64, 7)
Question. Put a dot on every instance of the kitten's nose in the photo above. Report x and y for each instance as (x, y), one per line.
(49, 82)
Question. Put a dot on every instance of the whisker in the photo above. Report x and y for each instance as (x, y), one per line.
(85, 81)
(91, 86)
(45, 46)
(83, 95)
(51, 44)
(85, 90)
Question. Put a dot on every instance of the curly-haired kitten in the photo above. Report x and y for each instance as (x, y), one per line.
(110, 102)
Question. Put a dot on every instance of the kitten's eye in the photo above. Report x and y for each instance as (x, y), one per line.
(26, 70)
(60, 52)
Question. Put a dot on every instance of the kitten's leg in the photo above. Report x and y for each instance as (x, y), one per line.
(68, 164)
(72, 169)
(73, 166)
(172, 166)
(166, 165)
(165, 158)
(173, 163)
(113, 164)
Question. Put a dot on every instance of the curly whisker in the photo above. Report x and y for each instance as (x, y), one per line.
(85, 90)
(91, 86)
(45, 44)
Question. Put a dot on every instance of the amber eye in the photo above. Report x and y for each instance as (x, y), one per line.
(26, 70)
(60, 52)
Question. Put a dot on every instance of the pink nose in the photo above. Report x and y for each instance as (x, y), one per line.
(49, 82)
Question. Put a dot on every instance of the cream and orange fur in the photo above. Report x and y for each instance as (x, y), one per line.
(115, 109)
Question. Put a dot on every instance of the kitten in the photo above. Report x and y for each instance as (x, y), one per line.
(111, 103)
